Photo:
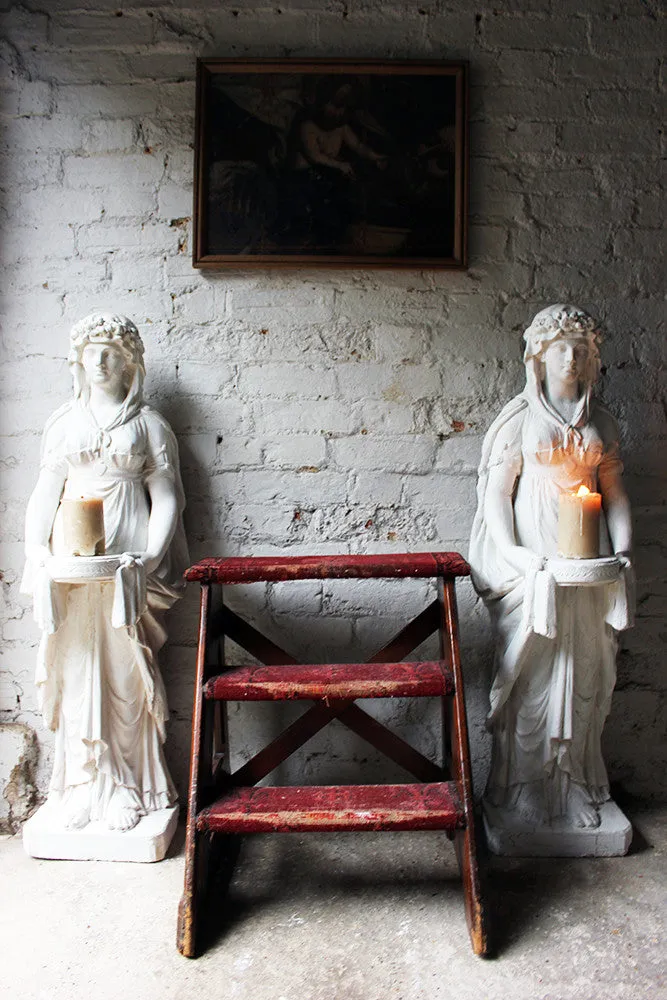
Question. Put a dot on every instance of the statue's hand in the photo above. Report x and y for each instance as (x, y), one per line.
(525, 560)
(625, 559)
(150, 561)
(38, 555)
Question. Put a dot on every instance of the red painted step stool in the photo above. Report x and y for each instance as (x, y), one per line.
(220, 802)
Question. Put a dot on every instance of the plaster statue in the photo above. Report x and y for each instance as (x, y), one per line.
(555, 645)
(98, 682)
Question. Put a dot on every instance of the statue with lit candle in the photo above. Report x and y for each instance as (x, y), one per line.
(98, 682)
(552, 510)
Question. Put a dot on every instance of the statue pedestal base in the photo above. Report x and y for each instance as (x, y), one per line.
(45, 837)
(510, 836)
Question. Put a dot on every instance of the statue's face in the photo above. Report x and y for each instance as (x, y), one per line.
(104, 364)
(566, 359)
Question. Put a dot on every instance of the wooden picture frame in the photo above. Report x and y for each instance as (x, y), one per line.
(331, 163)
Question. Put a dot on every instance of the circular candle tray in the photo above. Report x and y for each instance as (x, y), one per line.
(83, 569)
(584, 572)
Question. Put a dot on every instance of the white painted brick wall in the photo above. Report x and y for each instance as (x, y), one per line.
(336, 411)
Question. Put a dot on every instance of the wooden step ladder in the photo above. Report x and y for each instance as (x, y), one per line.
(220, 802)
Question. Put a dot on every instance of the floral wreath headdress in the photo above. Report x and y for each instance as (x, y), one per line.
(101, 327)
(559, 321)
(551, 324)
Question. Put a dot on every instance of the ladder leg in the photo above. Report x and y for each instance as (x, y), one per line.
(464, 840)
(196, 844)
(189, 907)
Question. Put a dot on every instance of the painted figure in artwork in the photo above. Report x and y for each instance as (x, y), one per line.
(553, 681)
(98, 682)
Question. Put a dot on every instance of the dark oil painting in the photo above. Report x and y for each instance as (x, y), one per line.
(356, 164)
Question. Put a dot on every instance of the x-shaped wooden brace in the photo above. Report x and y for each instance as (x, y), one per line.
(227, 622)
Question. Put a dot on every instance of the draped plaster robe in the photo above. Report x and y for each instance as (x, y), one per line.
(556, 646)
(98, 682)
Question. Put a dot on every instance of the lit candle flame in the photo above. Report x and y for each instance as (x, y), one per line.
(583, 491)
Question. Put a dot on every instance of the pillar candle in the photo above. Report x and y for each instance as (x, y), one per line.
(579, 524)
(83, 526)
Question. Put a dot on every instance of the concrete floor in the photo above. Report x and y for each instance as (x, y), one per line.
(349, 916)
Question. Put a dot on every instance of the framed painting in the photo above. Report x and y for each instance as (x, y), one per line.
(355, 164)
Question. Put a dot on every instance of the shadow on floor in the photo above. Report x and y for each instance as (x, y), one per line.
(519, 891)
(252, 874)
(256, 872)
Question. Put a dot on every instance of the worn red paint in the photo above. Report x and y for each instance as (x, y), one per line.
(275, 568)
(335, 807)
(332, 681)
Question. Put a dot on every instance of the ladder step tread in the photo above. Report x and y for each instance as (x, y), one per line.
(331, 681)
(432, 806)
(242, 569)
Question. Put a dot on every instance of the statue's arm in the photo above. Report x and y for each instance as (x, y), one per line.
(610, 484)
(162, 520)
(616, 507)
(504, 469)
(499, 514)
(41, 512)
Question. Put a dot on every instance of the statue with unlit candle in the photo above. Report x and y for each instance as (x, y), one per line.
(98, 682)
(553, 452)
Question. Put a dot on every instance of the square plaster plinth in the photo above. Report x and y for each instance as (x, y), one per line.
(515, 838)
(44, 837)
